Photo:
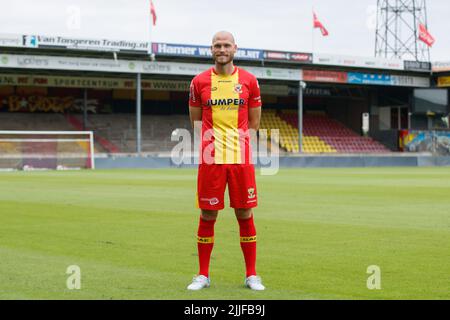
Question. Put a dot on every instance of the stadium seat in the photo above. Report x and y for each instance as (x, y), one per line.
(321, 134)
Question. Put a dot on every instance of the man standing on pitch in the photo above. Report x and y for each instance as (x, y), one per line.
(227, 101)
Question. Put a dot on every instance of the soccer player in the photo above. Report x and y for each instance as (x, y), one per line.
(227, 101)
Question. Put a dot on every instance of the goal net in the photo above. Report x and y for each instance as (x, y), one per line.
(39, 150)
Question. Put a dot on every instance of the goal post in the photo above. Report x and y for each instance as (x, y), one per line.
(39, 150)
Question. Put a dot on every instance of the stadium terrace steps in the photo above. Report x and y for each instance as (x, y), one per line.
(34, 122)
(120, 130)
(116, 133)
(41, 122)
(105, 144)
(322, 134)
(288, 135)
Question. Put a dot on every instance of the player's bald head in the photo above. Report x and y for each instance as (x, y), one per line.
(223, 48)
(223, 35)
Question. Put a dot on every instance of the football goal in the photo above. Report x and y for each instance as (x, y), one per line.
(40, 150)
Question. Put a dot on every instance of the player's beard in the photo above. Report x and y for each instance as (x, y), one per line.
(224, 62)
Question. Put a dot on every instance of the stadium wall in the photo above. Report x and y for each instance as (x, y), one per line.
(342, 161)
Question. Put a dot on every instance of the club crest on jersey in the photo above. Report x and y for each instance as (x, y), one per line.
(251, 193)
(238, 88)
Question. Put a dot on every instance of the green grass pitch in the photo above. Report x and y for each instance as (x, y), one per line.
(133, 234)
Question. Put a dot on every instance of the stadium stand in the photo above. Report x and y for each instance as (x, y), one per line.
(34, 121)
(118, 131)
(113, 133)
(106, 145)
(322, 134)
(41, 122)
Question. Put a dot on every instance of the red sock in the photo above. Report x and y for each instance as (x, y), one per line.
(205, 243)
(247, 232)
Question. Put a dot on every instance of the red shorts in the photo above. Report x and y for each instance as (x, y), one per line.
(213, 178)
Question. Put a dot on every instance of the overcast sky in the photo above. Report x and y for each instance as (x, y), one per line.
(260, 24)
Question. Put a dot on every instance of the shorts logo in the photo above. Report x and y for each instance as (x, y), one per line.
(212, 201)
(251, 193)
(238, 88)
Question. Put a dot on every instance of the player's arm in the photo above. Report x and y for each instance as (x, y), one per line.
(195, 105)
(254, 118)
(195, 113)
(254, 105)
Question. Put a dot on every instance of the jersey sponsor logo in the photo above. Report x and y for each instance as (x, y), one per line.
(225, 102)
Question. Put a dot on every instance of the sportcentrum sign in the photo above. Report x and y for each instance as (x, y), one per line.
(112, 83)
(91, 83)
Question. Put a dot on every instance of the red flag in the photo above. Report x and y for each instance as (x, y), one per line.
(425, 36)
(153, 12)
(318, 24)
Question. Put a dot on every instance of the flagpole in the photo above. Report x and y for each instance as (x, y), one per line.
(151, 30)
(312, 34)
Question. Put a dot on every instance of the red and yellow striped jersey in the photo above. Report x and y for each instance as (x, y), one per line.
(225, 100)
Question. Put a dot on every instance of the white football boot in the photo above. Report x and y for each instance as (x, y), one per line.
(254, 283)
(199, 282)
